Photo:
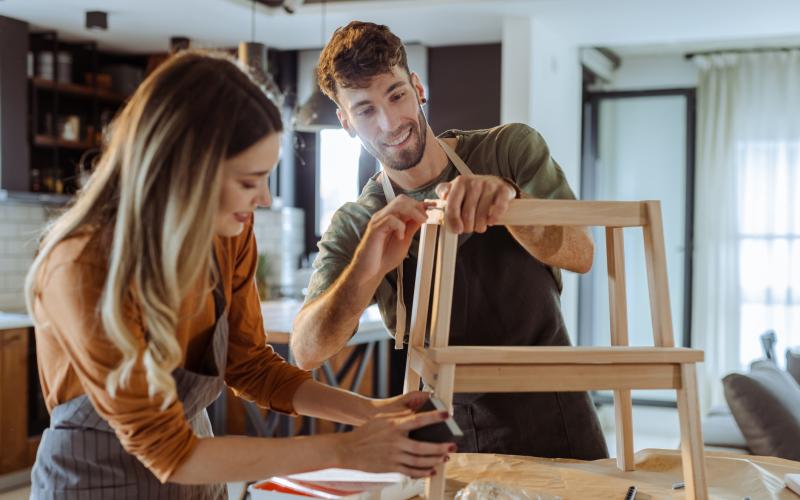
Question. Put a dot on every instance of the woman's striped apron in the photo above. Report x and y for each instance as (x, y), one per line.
(80, 457)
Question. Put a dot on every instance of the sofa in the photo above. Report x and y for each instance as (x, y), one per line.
(762, 415)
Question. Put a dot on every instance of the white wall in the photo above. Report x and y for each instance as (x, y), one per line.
(515, 72)
(541, 86)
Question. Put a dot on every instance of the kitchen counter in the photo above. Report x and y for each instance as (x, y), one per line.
(279, 315)
(9, 321)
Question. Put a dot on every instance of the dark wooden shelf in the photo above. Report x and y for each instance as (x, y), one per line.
(48, 141)
(77, 90)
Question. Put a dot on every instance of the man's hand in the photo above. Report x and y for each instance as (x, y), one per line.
(388, 236)
(475, 202)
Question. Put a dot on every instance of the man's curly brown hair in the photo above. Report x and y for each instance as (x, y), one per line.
(356, 53)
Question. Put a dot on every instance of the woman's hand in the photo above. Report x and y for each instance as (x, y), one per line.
(383, 445)
(398, 406)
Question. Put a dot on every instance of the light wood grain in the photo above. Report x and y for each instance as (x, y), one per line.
(618, 313)
(530, 212)
(13, 399)
(443, 287)
(693, 458)
(420, 363)
(566, 378)
(422, 297)
(657, 279)
(444, 388)
(561, 369)
(472, 355)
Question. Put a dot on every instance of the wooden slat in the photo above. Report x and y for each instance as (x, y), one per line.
(618, 313)
(574, 213)
(435, 486)
(420, 363)
(476, 355)
(546, 378)
(422, 284)
(422, 298)
(617, 302)
(657, 279)
(623, 418)
(443, 287)
(693, 459)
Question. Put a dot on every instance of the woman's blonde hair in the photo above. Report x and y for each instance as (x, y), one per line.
(150, 192)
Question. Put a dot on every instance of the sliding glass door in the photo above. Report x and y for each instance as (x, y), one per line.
(640, 146)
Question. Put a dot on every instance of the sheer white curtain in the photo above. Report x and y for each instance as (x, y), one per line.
(747, 215)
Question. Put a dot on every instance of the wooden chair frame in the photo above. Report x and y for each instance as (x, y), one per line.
(447, 370)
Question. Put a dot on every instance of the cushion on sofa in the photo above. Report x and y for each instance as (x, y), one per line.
(721, 431)
(793, 363)
(766, 406)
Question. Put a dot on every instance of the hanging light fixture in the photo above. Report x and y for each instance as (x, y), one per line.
(318, 112)
(254, 55)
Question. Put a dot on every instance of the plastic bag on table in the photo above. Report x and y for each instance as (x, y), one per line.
(487, 490)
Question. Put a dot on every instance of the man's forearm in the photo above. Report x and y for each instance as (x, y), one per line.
(565, 247)
(324, 325)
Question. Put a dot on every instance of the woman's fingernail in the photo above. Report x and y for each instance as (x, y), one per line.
(444, 414)
(433, 473)
(446, 459)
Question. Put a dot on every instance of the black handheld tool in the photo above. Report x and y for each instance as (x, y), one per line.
(442, 432)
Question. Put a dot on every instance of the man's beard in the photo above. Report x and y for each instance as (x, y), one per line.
(407, 158)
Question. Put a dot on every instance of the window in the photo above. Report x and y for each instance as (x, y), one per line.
(637, 147)
(337, 177)
(769, 245)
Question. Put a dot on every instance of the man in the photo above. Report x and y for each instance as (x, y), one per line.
(507, 282)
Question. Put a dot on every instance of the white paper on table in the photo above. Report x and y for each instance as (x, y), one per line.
(349, 476)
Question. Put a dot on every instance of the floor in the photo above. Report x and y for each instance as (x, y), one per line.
(653, 428)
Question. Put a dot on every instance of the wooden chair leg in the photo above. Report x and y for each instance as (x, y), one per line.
(443, 287)
(623, 412)
(445, 383)
(618, 313)
(422, 297)
(694, 466)
(412, 378)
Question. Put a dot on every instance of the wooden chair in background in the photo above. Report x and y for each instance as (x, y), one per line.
(447, 370)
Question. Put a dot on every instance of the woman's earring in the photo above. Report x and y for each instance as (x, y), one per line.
(423, 100)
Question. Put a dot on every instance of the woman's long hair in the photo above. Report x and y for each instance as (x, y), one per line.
(155, 191)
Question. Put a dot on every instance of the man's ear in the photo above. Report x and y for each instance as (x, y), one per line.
(418, 87)
(345, 122)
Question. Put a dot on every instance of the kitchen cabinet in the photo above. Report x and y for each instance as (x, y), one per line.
(17, 448)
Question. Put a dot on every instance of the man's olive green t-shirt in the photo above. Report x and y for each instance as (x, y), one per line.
(514, 151)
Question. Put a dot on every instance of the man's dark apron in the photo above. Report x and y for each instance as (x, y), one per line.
(80, 457)
(504, 296)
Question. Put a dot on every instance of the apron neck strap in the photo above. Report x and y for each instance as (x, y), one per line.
(463, 169)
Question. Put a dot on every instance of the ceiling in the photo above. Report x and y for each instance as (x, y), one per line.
(629, 26)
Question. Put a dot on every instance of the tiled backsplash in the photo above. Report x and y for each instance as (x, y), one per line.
(20, 227)
(279, 234)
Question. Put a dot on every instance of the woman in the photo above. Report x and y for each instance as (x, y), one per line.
(145, 305)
